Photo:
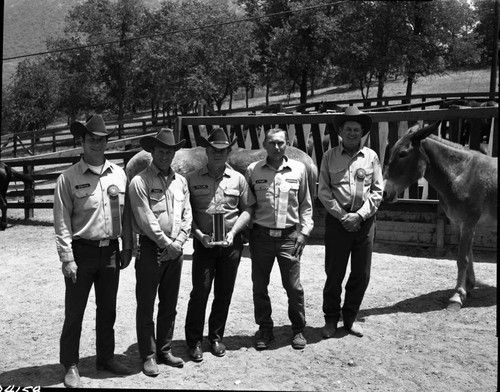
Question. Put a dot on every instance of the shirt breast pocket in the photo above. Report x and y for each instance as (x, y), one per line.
(231, 198)
(261, 191)
(339, 177)
(86, 199)
(158, 203)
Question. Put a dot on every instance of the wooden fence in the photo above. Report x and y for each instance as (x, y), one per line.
(416, 220)
(56, 138)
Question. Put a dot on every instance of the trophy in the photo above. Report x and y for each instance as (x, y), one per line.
(218, 226)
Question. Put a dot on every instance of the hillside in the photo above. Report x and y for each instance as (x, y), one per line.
(28, 24)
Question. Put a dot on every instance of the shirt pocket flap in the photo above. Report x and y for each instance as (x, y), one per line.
(200, 192)
(261, 187)
(85, 192)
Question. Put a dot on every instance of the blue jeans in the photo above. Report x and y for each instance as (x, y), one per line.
(264, 250)
(220, 266)
(99, 267)
(153, 278)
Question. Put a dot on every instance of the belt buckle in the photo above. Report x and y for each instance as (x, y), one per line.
(103, 243)
(274, 233)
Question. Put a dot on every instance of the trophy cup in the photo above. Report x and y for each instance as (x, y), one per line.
(219, 226)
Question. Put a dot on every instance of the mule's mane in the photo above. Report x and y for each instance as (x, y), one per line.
(448, 143)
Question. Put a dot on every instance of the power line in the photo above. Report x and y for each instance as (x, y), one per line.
(175, 31)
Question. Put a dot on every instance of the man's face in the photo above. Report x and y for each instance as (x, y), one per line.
(351, 133)
(216, 156)
(162, 157)
(275, 145)
(93, 146)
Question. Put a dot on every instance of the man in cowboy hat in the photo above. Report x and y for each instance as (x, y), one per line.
(350, 188)
(221, 205)
(161, 215)
(88, 200)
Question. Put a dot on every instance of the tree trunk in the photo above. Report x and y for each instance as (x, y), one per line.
(409, 87)
(303, 87)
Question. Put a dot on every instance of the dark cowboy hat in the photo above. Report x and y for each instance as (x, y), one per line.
(94, 125)
(217, 139)
(352, 113)
(164, 138)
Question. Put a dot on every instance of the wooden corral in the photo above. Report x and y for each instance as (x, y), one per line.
(414, 220)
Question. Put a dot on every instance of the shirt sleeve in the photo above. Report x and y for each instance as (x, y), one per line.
(187, 217)
(372, 203)
(127, 232)
(305, 205)
(325, 193)
(63, 207)
(143, 216)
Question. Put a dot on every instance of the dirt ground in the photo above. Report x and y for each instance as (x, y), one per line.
(411, 342)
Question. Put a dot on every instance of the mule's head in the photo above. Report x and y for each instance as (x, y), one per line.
(407, 162)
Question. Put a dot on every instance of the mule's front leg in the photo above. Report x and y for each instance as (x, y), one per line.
(463, 262)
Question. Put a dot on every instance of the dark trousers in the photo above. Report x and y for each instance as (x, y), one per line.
(339, 245)
(152, 278)
(99, 267)
(220, 266)
(264, 250)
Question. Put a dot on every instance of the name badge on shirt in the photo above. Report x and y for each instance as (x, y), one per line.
(82, 186)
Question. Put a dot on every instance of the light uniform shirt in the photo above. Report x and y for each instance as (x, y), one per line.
(269, 186)
(83, 208)
(160, 206)
(230, 193)
(337, 181)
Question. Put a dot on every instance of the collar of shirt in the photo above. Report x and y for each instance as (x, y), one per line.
(283, 165)
(204, 171)
(360, 150)
(157, 172)
(85, 167)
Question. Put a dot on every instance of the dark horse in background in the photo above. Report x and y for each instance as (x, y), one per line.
(466, 181)
(7, 174)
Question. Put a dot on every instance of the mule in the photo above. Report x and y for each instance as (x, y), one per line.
(466, 181)
(7, 174)
(187, 160)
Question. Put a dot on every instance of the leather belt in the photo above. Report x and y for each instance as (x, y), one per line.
(97, 243)
(274, 232)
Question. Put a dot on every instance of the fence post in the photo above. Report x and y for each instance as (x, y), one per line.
(441, 218)
(29, 194)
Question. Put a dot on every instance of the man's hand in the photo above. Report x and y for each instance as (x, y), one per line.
(125, 258)
(174, 249)
(229, 239)
(206, 240)
(300, 243)
(351, 221)
(69, 270)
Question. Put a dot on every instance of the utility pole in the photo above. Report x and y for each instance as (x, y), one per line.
(494, 60)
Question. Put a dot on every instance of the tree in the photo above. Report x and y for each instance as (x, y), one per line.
(31, 102)
(100, 21)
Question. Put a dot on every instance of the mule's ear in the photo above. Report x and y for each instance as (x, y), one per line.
(421, 134)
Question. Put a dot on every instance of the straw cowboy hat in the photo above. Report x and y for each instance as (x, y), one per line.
(94, 125)
(352, 113)
(164, 138)
(217, 139)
